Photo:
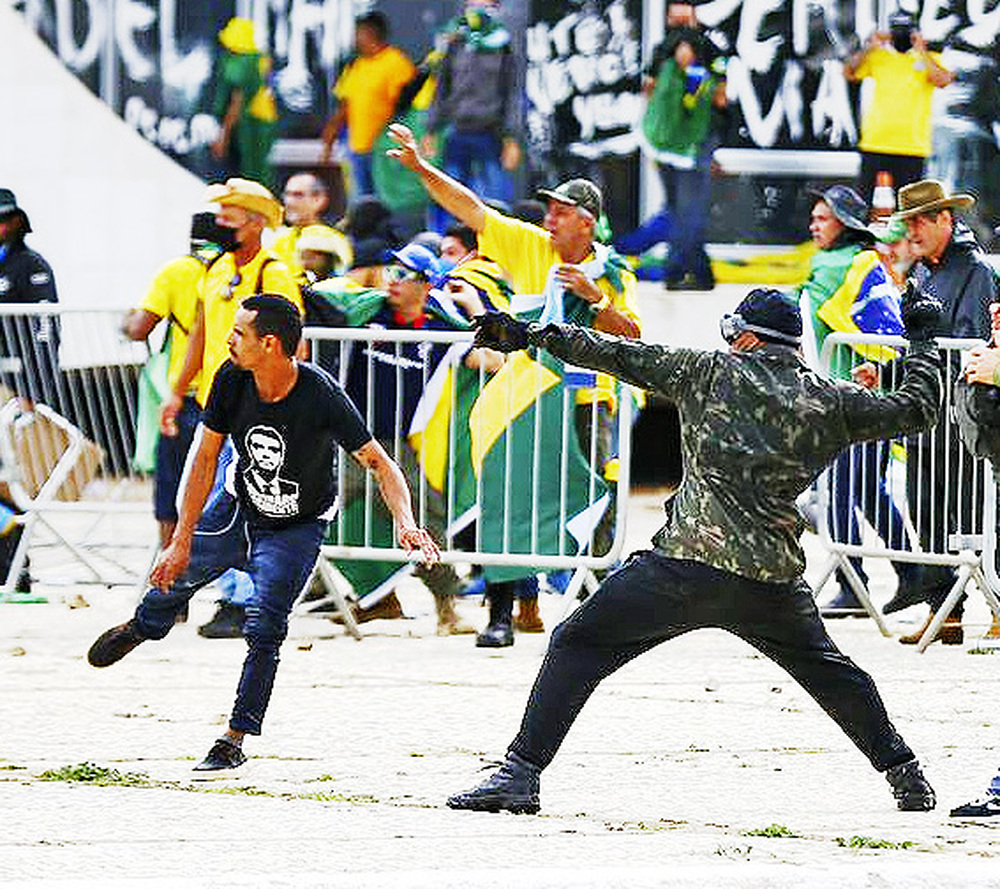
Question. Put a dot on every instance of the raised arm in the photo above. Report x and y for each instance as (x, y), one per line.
(454, 197)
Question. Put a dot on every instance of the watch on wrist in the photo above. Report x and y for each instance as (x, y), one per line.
(601, 304)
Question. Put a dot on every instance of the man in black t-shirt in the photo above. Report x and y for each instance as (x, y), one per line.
(286, 419)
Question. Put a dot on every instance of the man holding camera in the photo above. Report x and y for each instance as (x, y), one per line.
(896, 127)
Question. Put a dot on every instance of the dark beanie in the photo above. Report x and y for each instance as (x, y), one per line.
(371, 252)
(771, 310)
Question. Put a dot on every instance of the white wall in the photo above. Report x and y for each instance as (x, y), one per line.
(107, 208)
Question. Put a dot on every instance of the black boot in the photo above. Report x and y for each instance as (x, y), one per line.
(918, 583)
(910, 787)
(511, 788)
(226, 623)
(500, 631)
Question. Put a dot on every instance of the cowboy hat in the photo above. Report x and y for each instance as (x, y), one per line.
(928, 196)
(249, 195)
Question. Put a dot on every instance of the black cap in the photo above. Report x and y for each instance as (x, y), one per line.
(8, 207)
(371, 252)
(771, 315)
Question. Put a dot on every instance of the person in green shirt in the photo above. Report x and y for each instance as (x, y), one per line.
(244, 104)
(849, 290)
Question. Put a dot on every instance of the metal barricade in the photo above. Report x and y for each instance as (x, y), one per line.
(528, 493)
(67, 434)
(935, 506)
(491, 509)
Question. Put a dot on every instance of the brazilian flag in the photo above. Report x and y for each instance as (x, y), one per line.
(538, 492)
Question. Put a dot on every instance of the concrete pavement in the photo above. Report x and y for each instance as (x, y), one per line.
(701, 764)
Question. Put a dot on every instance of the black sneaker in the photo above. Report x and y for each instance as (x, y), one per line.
(223, 755)
(112, 645)
(496, 636)
(910, 787)
(511, 788)
(227, 623)
(986, 807)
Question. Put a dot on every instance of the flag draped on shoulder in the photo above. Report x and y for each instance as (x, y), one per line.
(865, 302)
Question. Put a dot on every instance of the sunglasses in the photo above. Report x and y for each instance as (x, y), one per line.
(399, 274)
(230, 289)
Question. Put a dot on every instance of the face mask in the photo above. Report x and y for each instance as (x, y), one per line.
(901, 39)
(221, 236)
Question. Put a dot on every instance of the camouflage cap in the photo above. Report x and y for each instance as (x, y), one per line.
(577, 192)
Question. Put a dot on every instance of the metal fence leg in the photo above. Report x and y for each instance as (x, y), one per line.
(861, 591)
(329, 579)
(580, 577)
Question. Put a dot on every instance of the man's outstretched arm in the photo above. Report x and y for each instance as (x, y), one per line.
(454, 197)
(393, 488)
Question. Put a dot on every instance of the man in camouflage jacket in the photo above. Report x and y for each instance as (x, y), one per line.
(757, 427)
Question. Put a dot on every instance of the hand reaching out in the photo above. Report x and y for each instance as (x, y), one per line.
(417, 538)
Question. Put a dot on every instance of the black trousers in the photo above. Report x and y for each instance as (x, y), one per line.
(651, 599)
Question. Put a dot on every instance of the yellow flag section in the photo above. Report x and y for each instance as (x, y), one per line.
(510, 392)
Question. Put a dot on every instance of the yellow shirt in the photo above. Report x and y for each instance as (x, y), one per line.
(898, 118)
(174, 295)
(370, 86)
(525, 251)
(223, 290)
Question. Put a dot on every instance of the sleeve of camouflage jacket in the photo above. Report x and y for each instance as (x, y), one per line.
(912, 407)
(658, 368)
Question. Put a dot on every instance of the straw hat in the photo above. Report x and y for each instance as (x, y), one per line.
(324, 239)
(249, 195)
(928, 196)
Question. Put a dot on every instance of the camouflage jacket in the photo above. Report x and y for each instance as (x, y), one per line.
(756, 429)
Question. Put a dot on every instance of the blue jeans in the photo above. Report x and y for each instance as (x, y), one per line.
(473, 159)
(857, 478)
(687, 195)
(361, 172)
(171, 452)
(279, 560)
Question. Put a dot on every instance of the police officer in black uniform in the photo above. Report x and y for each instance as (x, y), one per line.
(29, 346)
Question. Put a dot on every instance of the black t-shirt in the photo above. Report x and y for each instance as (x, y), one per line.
(286, 449)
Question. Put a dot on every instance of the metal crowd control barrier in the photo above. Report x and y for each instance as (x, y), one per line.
(67, 436)
(936, 506)
(546, 466)
(67, 425)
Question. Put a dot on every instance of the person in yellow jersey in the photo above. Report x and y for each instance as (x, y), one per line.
(173, 295)
(561, 271)
(306, 198)
(367, 90)
(896, 125)
(245, 209)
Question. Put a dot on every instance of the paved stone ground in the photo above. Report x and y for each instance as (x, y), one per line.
(701, 764)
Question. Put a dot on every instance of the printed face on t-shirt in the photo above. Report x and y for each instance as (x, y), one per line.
(270, 494)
